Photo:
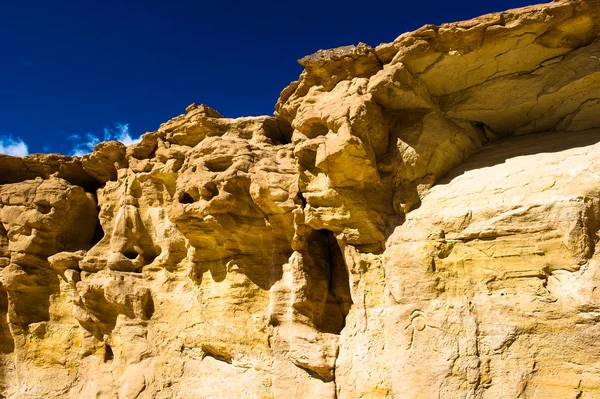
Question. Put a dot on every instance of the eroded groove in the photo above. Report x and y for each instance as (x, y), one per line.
(337, 300)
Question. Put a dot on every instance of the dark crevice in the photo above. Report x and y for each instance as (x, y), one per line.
(32, 307)
(104, 313)
(217, 354)
(209, 191)
(302, 199)
(307, 158)
(195, 194)
(315, 130)
(196, 273)
(44, 208)
(285, 132)
(152, 153)
(130, 255)
(7, 343)
(91, 187)
(186, 199)
(314, 374)
(480, 126)
(328, 257)
(149, 258)
(4, 252)
(148, 307)
(108, 353)
(218, 165)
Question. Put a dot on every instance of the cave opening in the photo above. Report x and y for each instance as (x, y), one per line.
(302, 199)
(186, 198)
(218, 165)
(315, 129)
(149, 307)
(4, 242)
(7, 343)
(130, 255)
(332, 275)
(108, 353)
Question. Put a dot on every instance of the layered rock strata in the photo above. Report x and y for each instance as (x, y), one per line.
(417, 220)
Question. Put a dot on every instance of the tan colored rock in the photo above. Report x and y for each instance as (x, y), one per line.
(103, 163)
(14, 169)
(39, 218)
(379, 237)
(190, 107)
(483, 292)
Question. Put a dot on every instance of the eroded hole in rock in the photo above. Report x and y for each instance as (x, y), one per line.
(331, 317)
(150, 154)
(209, 191)
(3, 242)
(216, 353)
(307, 158)
(196, 273)
(130, 255)
(316, 130)
(148, 307)
(44, 208)
(7, 343)
(104, 312)
(186, 198)
(108, 353)
(485, 130)
(149, 258)
(33, 307)
(314, 374)
(302, 199)
(285, 132)
(219, 165)
(277, 131)
(149, 252)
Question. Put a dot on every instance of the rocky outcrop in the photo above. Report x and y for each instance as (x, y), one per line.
(417, 220)
(15, 169)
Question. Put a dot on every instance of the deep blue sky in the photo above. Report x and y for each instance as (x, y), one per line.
(77, 67)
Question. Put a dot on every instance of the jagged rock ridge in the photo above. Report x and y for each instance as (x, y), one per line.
(417, 220)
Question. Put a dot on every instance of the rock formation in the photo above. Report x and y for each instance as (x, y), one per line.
(417, 220)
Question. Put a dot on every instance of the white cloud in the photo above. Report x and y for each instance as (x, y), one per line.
(15, 147)
(121, 133)
(84, 144)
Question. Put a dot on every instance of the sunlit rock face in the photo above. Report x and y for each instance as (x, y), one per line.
(418, 220)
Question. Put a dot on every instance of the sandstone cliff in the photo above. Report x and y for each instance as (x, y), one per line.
(417, 220)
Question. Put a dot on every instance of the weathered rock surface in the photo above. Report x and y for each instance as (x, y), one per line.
(418, 220)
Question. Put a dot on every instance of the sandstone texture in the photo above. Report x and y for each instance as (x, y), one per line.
(417, 220)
